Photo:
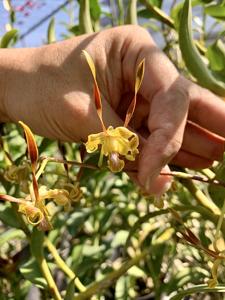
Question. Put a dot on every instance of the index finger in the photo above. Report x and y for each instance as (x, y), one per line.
(207, 110)
(166, 123)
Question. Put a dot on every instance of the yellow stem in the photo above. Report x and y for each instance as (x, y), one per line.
(201, 197)
(209, 173)
(42, 167)
(63, 266)
(48, 276)
(218, 227)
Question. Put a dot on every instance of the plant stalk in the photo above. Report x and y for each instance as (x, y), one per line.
(63, 266)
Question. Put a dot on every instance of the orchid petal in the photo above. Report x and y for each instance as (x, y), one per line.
(97, 96)
(138, 80)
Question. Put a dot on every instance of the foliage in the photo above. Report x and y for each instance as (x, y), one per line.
(103, 238)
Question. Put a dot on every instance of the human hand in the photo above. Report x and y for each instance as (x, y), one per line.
(55, 98)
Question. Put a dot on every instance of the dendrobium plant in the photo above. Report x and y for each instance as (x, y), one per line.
(33, 205)
(117, 143)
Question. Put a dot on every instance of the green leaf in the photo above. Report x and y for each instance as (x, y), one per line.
(177, 11)
(191, 56)
(120, 238)
(157, 13)
(202, 288)
(75, 29)
(51, 31)
(92, 250)
(11, 234)
(95, 10)
(217, 193)
(76, 220)
(216, 11)
(157, 3)
(9, 217)
(45, 145)
(70, 291)
(136, 272)
(122, 288)
(32, 272)
(8, 38)
(142, 220)
(216, 56)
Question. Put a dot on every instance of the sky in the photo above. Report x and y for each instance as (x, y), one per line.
(29, 12)
(27, 16)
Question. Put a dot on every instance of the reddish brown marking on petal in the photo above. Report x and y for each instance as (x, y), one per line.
(31, 145)
(138, 80)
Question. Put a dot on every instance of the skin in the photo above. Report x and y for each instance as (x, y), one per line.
(50, 88)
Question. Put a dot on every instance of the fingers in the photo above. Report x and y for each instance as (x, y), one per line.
(191, 161)
(207, 110)
(168, 113)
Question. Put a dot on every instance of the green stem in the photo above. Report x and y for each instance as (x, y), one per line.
(42, 167)
(71, 162)
(48, 276)
(218, 227)
(108, 280)
(85, 17)
(132, 13)
(201, 197)
(121, 12)
(163, 17)
(63, 266)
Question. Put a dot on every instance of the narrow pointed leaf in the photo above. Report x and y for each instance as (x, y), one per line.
(51, 31)
(138, 81)
(97, 96)
(191, 56)
(8, 38)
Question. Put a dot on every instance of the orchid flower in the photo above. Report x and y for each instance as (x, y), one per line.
(33, 206)
(117, 143)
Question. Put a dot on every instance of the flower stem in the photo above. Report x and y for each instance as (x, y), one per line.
(63, 266)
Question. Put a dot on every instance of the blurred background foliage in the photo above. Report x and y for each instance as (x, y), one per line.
(115, 242)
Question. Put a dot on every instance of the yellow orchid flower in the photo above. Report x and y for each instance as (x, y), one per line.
(60, 196)
(33, 214)
(116, 143)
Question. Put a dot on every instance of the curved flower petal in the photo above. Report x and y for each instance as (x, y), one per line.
(118, 142)
(33, 214)
(94, 140)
